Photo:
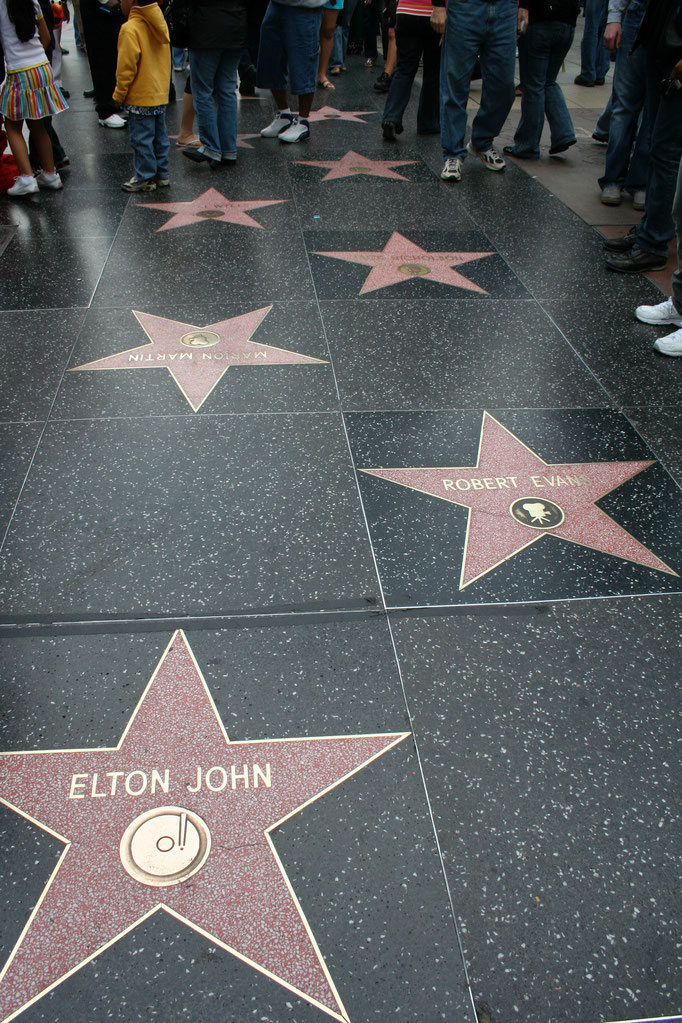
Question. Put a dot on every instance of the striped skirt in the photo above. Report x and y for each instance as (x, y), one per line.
(30, 94)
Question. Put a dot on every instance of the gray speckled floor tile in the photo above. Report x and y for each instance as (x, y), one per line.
(430, 553)
(40, 264)
(6, 234)
(361, 859)
(396, 265)
(292, 326)
(260, 512)
(453, 355)
(72, 212)
(34, 360)
(548, 743)
(662, 430)
(618, 348)
(17, 444)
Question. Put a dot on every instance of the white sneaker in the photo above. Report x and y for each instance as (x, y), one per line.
(112, 121)
(280, 124)
(671, 344)
(490, 158)
(25, 184)
(47, 180)
(298, 132)
(610, 195)
(664, 312)
(452, 171)
(639, 199)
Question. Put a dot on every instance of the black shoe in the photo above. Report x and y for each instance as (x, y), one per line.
(599, 81)
(89, 94)
(388, 129)
(428, 131)
(636, 261)
(198, 157)
(579, 80)
(600, 138)
(561, 148)
(510, 151)
(383, 82)
(623, 244)
(65, 93)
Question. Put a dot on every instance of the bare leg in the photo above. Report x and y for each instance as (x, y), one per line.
(391, 53)
(326, 42)
(18, 146)
(305, 104)
(280, 98)
(42, 144)
(187, 120)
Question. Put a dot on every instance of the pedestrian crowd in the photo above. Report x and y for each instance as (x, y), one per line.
(293, 48)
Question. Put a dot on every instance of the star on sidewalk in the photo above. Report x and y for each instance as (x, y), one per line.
(332, 114)
(400, 259)
(197, 357)
(353, 164)
(515, 498)
(242, 140)
(176, 799)
(211, 205)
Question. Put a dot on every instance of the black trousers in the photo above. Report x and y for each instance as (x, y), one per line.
(414, 36)
(101, 29)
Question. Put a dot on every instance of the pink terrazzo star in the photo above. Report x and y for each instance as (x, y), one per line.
(176, 818)
(354, 164)
(515, 498)
(401, 260)
(242, 142)
(197, 357)
(332, 114)
(211, 205)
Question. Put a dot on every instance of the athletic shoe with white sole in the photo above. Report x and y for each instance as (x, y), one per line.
(298, 132)
(25, 184)
(276, 127)
(52, 181)
(452, 171)
(112, 121)
(139, 185)
(611, 195)
(671, 344)
(490, 158)
(639, 199)
(659, 315)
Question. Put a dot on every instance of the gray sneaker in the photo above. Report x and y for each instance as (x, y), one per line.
(659, 315)
(611, 195)
(669, 345)
(639, 199)
(452, 171)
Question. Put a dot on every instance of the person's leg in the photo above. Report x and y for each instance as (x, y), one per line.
(391, 53)
(17, 144)
(271, 71)
(497, 56)
(186, 136)
(463, 34)
(428, 111)
(101, 40)
(142, 130)
(161, 146)
(225, 91)
(629, 91)
(329, 19)
(603, 125)
(371, 30)
(203, 69)
(562, 131)
(534, 50)
(409, 49)
(677, 218)
(178, 58)
(591, 40)
(302, 41)
(665, 113)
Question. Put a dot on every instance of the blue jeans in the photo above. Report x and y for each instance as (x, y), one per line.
(149, 139)
(215, 72)
(665, 118)
(178, 56)
(594, 57)
(624, 166)
(341, 32)
(475, 27)
(289, 49)
(414, 37)
(541, 53)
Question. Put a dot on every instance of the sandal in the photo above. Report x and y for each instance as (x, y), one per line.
(191, 143)
(325, 84)
(335, 70)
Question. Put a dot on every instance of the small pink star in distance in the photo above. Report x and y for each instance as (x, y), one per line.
(401, 259)
(211, 205)
(332, 114)
(243, 144)
(353, 164)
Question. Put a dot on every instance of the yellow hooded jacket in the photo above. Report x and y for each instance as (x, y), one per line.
(144, 62)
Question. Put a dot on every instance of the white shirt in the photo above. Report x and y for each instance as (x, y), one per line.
(20, 56)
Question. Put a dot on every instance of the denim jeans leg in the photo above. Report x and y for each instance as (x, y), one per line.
(593, 63)
(665, 113)
(629, 91)
(226, 96)
(464, 29)
(428, 111)
(161, 145)
(497, 56)
(203, 66)
(141, 127)
(677, 217)
(603, 125)
(533, 59)
(561, 129)
(409, 49)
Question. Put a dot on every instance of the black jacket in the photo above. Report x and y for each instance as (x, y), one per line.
(661, 26)
(566, 11)
(217, 25)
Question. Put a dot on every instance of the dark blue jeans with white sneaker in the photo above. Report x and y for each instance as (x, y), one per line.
(665, 117)
(214, 73)
(594, 57)
(625, 166)
(541, 52)
(487, 30)
(149, 140)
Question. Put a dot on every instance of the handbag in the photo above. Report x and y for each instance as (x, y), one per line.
(176, 13)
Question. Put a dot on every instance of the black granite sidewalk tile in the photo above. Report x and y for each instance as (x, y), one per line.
(48, 271)
(618, 348)
(189, 516)
(548, 743)
(17, 444)
(429, 552)
(361, 859)
(69, 213)
(417, 355)
(34, 360)
(662, 430)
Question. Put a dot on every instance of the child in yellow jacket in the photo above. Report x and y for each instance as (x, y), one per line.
(142, 85)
